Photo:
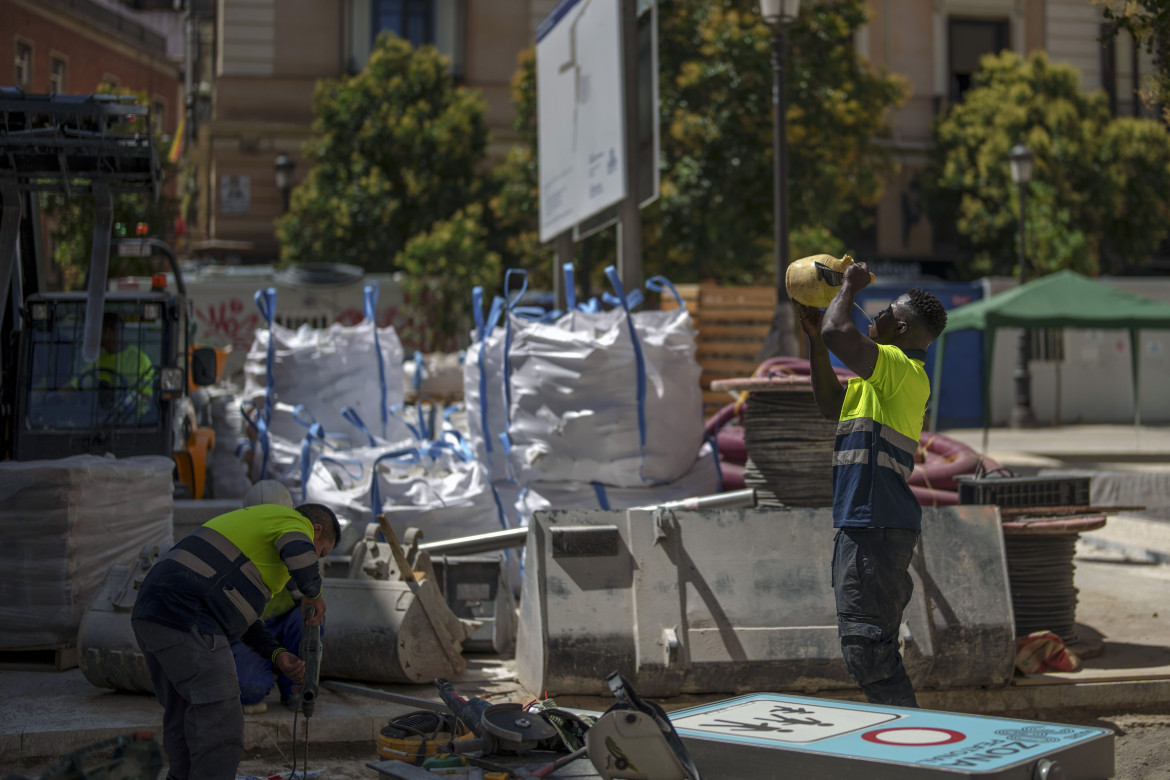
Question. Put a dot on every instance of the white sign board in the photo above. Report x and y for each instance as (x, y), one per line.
(235, 194)
(580, 113)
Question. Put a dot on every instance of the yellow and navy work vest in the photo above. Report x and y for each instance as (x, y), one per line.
(222, 576)
(877, 437)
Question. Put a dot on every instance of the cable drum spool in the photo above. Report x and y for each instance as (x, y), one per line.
(1040, 570)
(789, 443)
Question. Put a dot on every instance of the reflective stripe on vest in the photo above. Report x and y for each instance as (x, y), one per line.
(191, 560)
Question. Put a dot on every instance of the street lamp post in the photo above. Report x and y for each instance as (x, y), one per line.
(284, 178)
(778, 14)
(1022, 416)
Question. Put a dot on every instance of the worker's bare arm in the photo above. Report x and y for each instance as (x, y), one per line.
(827, 389)
(855, 349)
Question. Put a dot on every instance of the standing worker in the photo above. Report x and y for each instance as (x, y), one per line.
(879, 422)
(208, 590)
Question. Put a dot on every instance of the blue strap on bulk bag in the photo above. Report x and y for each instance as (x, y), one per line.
(370, 306)
(511, 304)
(419, 372)
(350, 414)
(631, 301)
(662, 284)
(484, 329)
(314, 433)
(266, 301)
(408, 455)
(343, 464)
(602, 498)
(640, 363)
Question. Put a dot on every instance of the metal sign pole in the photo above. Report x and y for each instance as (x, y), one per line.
(630, 226)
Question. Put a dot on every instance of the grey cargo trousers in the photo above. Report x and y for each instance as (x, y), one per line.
(872, 585)
(194, 676)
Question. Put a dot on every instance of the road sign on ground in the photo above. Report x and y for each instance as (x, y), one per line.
(766, 734)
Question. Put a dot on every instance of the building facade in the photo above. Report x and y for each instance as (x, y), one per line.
(936, 45)
(75, 46)
(258, 63)
(245, 71)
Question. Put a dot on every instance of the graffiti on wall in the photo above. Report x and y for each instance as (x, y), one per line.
(233, 322)
(227, 322)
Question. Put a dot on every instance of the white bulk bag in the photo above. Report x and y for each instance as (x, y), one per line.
(323, 371)
(701, 480)
(604, 397)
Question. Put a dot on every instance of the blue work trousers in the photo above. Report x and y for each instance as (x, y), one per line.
(872, 585)
(256, 672)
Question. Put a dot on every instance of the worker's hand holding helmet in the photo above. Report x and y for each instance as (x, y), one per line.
(857, 276)
(810, 319)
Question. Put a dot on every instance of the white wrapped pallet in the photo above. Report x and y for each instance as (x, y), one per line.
(64, 523)
(604, 397)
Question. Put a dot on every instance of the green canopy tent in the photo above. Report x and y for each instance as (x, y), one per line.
(1064, 299)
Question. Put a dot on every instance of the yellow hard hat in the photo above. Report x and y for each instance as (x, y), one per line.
(815, 279)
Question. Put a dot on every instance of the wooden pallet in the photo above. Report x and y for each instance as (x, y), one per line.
(732, 323)
(44, 658)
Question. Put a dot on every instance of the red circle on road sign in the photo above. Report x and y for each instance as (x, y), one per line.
(914, 737)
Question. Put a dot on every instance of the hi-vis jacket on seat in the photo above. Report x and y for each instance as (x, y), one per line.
(220, 577)
(877, 436)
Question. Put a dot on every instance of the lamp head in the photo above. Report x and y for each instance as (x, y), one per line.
(1021, 159)
(284, 171)
(777, 12)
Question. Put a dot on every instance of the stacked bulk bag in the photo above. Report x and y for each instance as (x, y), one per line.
(439, 488)
(295, 380)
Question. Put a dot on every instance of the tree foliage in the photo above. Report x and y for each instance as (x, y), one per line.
(714, 218)
(1095, 180)
(1149, 23)
(440, 268)
(71, 217)
(396, 149)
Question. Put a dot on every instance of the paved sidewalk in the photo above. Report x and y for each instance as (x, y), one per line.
(1106, 447)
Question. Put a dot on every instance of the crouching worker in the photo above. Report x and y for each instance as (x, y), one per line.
(208, 590)
(282, 617)
(256, 672)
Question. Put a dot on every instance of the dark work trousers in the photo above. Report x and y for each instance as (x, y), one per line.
(871, 581)
(194, 679)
